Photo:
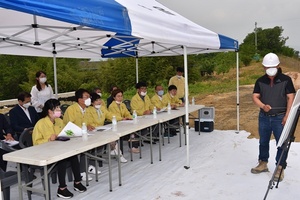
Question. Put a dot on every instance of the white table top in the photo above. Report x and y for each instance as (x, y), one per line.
(58, 150)
(164, 116)
(128, 127)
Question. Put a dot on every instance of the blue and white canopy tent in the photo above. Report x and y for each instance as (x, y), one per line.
(106, 28)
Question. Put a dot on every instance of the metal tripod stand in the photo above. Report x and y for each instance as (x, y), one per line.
(285, 150)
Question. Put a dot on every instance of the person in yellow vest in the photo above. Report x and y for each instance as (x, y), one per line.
(178, 81)
(172, 98)
(46, 130)
(118, 108)
(99, 92)
(156, 100)
(76, 113)
(97, 114)
(141, 102)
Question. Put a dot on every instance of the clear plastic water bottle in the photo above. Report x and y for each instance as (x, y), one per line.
(193, 101)
(84, 132)
(114, 123)
(169, 108)
(134, 117)
(154, 112)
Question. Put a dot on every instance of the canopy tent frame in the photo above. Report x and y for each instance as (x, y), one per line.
(133, 28)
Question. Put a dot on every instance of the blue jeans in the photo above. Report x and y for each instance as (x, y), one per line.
(267, 125)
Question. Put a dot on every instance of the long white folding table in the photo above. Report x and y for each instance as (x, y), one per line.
(52, 152)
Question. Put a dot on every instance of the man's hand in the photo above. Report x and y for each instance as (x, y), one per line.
(266, 108)
(9, 137)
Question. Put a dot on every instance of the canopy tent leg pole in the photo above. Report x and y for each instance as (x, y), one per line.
(237, 94)
(55, 72)
(186, 105)
(137, 69)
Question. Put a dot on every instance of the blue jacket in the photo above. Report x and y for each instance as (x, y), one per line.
(4, 127)
(19, 120)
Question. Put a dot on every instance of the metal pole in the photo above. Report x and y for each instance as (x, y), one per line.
(237, 94)
(137, 69)
(186, 108)
(255, 33)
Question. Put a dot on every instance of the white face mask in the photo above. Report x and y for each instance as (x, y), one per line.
(100, 94)
(26, 105)
(271, 71)
(97, 106)
(87, 102)
(143, 93)
(160, 92)
(43, 80)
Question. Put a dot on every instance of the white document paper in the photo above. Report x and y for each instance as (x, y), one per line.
(11, 142)
(71, 130)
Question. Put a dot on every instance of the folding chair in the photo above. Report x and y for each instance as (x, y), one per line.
(7, 179)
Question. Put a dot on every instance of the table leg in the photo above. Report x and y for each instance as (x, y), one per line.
(46, 182)
(19, 181)
(119, 164)
(109, 168)
(151, 153)
(159, 136)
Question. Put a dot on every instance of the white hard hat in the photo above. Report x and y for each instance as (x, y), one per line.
(271, 60)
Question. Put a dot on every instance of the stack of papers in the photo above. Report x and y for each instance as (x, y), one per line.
(71, 130)
(11, 142)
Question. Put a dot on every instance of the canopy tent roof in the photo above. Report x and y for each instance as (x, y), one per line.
(106, 28)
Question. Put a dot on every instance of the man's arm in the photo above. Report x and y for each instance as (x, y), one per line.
(257, 101)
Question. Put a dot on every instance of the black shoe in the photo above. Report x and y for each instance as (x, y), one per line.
(148, 142)
(79, 187)
(156, 140)
(65, 193)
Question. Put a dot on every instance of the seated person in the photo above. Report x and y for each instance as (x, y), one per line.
(23, 115)
(119, 109)
(97, 114)
(141, 103)
(76, 113)
(99, 92)
(172, 98)
(156, 100)
(5, 134)
(46, 130)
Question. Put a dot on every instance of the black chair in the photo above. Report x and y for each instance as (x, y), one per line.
(63, 108)
(7, 179)
(127, 103)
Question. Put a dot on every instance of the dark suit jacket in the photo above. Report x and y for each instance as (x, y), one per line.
(4, 127)
(19, 120)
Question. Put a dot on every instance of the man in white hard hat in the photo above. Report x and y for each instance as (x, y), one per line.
(274, 94)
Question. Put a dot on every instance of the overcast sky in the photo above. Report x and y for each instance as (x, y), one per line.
(236, 18)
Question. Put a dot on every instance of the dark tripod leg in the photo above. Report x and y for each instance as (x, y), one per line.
(285, 149)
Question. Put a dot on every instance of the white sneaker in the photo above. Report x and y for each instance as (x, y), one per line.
(122, 159)
(92, 170)
(83, 177)
(113, 153)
